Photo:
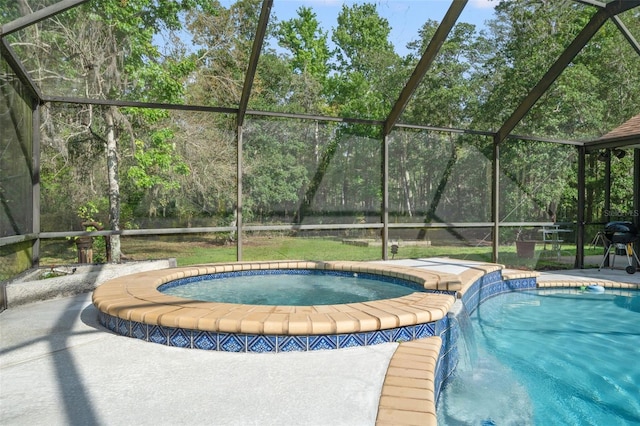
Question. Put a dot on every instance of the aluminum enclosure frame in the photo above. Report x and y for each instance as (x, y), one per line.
(604, 12)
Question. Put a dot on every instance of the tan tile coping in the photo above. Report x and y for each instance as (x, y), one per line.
(516, 274)
(584, 282)
(135, 297)
(475, 271)
(550, 281)
(408, 395)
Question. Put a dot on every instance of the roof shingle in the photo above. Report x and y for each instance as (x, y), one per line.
(628, 128)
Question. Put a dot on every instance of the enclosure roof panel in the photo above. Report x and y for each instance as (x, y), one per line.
(397, 62)
(19, 10)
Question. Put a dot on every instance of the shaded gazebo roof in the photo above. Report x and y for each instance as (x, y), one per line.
(629, 128)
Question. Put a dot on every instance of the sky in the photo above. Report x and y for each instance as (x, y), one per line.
(405, 16)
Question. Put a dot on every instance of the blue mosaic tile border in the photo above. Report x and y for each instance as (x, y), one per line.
(232, 342)
(491, 285)
(319, 272)
(449, 331)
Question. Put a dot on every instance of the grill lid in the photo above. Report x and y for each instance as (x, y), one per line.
(620, 227)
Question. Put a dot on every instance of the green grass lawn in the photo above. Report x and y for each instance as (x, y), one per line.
(198, 249)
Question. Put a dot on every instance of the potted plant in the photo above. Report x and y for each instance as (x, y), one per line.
(85, 244)
(525, 248)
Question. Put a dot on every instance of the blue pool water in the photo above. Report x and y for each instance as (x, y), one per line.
(292, 288)
(552, 357)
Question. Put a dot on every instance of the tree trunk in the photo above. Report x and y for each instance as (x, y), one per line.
(314, 185)
(114, 184)
(439, 192)
(406, 179)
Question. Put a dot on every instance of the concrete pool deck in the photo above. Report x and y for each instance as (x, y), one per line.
(59, 367)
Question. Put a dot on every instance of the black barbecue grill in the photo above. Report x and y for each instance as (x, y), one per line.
(619, 238)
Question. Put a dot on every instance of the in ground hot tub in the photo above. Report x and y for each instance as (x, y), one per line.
(133, 306)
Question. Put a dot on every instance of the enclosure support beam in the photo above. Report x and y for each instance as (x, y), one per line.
(425, 62)
(636, 194)
(625, 32)
(253, 59)
(239, 196)
(592, 3)
(385, 197)
(35, 182)
(39, 15)
(618, 142)
(16, 65)
(579, 261)
(495, 198)
(607, 182)
(135, 104)
(607, 189)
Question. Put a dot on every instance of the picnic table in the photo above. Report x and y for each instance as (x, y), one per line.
(552, 235)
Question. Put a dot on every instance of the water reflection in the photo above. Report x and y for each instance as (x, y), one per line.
(630, 303)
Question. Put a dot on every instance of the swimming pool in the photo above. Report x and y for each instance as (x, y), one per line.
(561, 356)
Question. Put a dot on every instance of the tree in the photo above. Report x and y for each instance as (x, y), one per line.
(156, 166)
(303, 37)
(223, 41)
(207, 144)
(446, 97)
(594, 94)
(364, 64)
(276, 170)
(109, 52)
(348, 167)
